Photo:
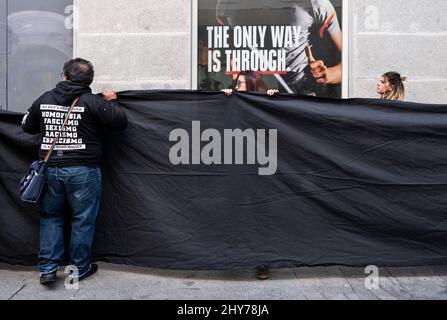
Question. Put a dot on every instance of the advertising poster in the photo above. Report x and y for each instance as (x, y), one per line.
(256, 45)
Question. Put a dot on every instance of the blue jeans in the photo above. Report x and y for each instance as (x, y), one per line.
(79, 190)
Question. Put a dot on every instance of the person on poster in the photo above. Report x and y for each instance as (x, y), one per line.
(306, 72)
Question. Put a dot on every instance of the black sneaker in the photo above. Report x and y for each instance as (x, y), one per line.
(262, 273)
(92, 271)
(48, 278)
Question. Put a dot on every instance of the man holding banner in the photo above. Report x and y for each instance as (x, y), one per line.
(74, 178)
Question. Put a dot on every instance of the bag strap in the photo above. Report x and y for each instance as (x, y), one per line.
(70, 111)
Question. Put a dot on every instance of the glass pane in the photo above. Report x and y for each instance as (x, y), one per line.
(40, 40)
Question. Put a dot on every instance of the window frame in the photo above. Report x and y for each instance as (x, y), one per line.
(346, 52)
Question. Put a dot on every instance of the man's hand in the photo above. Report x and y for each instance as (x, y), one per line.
(109, 95)
(272, 92)
(321, 73)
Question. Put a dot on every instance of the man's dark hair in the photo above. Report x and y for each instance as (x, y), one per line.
(80, 71)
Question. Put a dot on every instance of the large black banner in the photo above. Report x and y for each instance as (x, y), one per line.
(320, 182)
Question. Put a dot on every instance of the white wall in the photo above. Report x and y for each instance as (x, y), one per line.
(135, 44)
(408, 36)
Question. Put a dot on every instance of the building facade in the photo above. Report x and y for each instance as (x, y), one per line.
(151, 44)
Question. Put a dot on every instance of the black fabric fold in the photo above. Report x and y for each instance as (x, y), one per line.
(358, 182)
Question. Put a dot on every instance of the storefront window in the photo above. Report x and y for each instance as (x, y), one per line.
(293, 46)
(36, 39)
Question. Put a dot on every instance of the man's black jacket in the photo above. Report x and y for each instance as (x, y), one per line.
(80, 143)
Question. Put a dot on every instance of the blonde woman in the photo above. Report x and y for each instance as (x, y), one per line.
(391, 86)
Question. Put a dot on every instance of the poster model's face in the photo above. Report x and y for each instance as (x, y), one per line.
(294, 45)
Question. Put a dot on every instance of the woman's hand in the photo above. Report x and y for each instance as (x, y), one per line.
(227, 92)
(272, 92)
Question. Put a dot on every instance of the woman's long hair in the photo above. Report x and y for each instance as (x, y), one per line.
(254, 82)
(397, 88)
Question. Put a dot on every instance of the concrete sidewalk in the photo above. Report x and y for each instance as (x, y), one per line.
(124, 282)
